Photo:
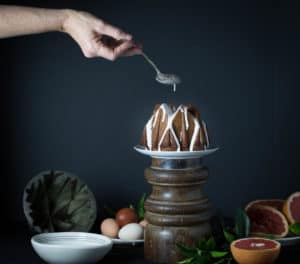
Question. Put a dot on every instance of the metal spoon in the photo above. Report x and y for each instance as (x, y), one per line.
(164, 78)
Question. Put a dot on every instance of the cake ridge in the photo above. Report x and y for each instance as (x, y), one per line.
(175, 129)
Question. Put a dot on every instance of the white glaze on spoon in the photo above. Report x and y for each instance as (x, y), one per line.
(164, 78)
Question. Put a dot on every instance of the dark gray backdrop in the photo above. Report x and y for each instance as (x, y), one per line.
(239, 66)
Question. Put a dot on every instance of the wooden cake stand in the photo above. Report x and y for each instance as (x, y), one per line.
(177, 210)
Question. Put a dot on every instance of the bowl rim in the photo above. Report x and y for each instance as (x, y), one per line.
(107, 242)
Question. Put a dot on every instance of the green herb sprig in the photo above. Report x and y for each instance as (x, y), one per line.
(205, 252)
(242, 223)
(213, 249)
(295, 228)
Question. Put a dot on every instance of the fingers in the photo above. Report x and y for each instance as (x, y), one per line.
(113, 31)
(135, 50)
(122, 49)
(138, 45)
(132, 52)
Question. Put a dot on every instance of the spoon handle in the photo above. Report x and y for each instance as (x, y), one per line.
(151, 62)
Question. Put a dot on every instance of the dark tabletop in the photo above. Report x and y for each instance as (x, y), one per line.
(16, 248)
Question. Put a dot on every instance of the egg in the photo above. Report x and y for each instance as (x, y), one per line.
(126, 216)
(109, 227)
(131, 231)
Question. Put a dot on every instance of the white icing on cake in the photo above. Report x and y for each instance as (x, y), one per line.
(195, 133)
(206, 135)
(149, 133)
(184, 110)
(170, 113)
(171, 117)
(165, 108)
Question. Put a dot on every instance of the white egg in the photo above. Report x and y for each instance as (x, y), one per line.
(131, 231)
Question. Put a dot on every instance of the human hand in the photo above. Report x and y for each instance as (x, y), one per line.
(96, 38)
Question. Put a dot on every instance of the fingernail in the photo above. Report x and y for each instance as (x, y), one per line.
(127, 36)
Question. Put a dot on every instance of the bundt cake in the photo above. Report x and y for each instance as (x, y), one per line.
(171, 129)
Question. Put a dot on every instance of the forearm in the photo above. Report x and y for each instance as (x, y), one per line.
(86, 29)
(17, 20)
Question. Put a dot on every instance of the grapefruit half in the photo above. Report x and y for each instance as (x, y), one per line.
(255, 250)
(291, 208)
(276, 203)
(266, 220)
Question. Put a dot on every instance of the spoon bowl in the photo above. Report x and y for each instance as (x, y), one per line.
(164, 78)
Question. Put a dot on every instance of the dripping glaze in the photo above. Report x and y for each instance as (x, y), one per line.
(168, 114)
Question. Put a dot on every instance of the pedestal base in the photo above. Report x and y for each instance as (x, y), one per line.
(177, 210)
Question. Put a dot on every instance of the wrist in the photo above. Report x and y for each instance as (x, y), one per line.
(66, 15)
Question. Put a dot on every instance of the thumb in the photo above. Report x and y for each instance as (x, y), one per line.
(114, 32)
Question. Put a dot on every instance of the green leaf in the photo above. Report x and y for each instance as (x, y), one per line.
(227, 260)
(132, 206)
(140, 207)
(218, 254)
(187, 251)
(220, 261)
(242, 224)
(109, 212)
(211, 244)
(295, 228)
(201, 260)
(230, 260)
(217, 228)
(186, 261)
(229, 237)
(202, 244)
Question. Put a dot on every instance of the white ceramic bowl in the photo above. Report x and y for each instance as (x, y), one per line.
(71, 247)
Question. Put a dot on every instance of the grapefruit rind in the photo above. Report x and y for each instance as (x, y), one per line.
(286, 208)
(276, 203)
(275, 211)
(255, 256)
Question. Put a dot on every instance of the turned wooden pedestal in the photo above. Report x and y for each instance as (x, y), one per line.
(177, 210)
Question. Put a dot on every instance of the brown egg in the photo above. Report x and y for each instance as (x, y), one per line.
(109, 227)
(126, 216)
(143, 223)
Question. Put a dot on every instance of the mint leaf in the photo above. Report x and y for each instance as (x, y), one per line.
(242, 224)
(224, 261)
(295, 228)
(229, 237)
(218, 254)
(187, 251)
(186, 261)
(131, 206)
(202, 244)
(216, 223)
(201, 260)
(211, 244)
(140, 207)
